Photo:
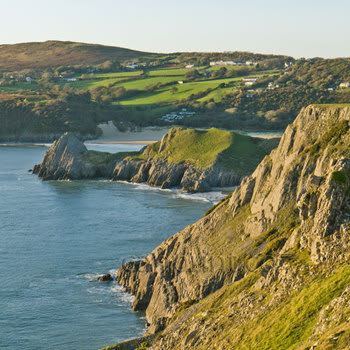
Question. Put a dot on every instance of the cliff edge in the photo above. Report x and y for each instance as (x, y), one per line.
(268, 267)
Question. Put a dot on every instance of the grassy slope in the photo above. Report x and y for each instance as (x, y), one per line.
(203, 148)
(183, 91)
(92, 83)
(61, 53)
(287, 325)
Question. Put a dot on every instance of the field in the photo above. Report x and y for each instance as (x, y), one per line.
(22, 86)
(150, 93)
(183, 91)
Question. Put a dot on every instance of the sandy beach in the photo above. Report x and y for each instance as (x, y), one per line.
(146, 136)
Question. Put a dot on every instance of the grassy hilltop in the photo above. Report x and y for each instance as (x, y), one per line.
(204, 148)
(61, 53)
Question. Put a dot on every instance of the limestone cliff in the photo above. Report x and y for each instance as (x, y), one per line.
(191, 159)
(268, 267)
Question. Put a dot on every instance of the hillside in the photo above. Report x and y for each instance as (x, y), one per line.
(267, 268)
(230, 90)
(50, 54)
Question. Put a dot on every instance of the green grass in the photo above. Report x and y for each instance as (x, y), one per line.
(118, 74)
(214, 68)
(183, 92)
(169, 71)
(203, 148)
(339, 177)
(97, 158)
(295, 316)
(217, 95)
(92, 83)
(22, 86)
(141, 84)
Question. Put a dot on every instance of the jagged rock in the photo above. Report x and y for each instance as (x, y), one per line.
(63, 161)
(105, 278)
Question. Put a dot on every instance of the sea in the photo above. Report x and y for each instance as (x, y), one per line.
(56, 237)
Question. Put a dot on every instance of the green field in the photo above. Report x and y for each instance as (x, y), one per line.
(141, 84)
(170, 71)
(92, 83)
(118, 74)
(166, 90)
(183, 91)
(22, 86)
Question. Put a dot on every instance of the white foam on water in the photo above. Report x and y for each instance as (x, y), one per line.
(209, 197)
(124, 297)
(92, 276)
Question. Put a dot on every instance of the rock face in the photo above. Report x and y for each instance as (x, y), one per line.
(284, 229)
(105, 278)
(63, 161)
(68, 159)
(164, 175)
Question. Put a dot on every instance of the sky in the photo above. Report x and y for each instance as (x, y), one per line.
(300, 28)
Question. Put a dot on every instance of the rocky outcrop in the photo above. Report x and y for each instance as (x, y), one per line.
(64, 161)
(68, 159)
(285, 227)
(105, 278)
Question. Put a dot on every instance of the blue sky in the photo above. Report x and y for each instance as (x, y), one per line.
(305, 28)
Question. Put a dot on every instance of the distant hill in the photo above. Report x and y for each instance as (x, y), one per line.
(61, 53)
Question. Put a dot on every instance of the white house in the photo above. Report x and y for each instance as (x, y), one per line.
(70, 79)
(254, 79)
(223, 63)
(344, 85)
(29, 79)
(180, 82)
(132, 66)
(249, 81)
(190, 66)
(249, 63)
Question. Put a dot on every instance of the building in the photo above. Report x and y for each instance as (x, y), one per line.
(249, 81)
(189, 66)
(180, 82)
(132, 66)
(29, 79)
(70, 79)
(223, 63)
(174, 116)
(344, 85)
(249, 63)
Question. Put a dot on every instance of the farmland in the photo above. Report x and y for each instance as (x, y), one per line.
(75, 86)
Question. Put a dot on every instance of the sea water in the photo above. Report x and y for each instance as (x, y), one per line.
(56, 237)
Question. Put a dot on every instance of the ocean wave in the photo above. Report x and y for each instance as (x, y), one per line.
(209, 197)
(212, 197)
(91, 276)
